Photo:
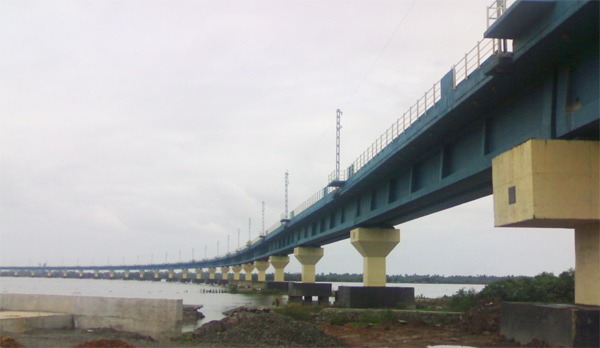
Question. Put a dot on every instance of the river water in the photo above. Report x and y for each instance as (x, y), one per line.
(214, 304)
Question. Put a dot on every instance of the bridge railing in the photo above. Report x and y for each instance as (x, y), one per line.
(461, 71)
(495, 10)
(418, 109)
(475, 57)
(273, 228)
(312, 200)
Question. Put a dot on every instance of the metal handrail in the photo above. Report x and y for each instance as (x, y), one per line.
(495, 10)
(473, 59)
(460, 71)
(312, 200)
(273, 228)
(420, 108)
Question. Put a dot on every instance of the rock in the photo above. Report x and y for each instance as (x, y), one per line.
(262, 329)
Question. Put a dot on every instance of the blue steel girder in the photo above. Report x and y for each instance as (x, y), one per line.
(547, 88)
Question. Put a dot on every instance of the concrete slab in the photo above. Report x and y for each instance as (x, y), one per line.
(375, 297)
(297, 291)
(552, 324)
(21, 321)
(157, 318)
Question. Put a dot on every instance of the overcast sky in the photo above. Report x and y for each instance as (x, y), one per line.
(139, 129)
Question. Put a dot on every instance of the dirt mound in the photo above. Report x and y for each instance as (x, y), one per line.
(262, 329)
(104, 343)
(7, 342)
(484, 318)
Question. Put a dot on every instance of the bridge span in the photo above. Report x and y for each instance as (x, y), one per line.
(517, 117)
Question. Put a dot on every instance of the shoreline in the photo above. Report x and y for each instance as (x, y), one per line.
(287, 324)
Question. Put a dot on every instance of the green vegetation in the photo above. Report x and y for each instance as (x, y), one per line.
(463, 300)
(406, 278)
(371, 317)
(414, 278)
(298, 311)
(545, 287)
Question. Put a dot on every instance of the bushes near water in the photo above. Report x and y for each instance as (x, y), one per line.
(545, 287)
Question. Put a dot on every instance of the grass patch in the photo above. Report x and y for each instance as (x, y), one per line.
(297, 312)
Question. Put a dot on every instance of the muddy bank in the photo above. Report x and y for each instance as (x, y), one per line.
(260, 328)
(306, 326)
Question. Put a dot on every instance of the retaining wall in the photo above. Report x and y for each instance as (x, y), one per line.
(157, 318)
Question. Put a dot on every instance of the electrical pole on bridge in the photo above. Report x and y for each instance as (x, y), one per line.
(338, 127)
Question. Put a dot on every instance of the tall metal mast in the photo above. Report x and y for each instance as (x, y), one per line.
(263, 218)
(287, 183)
(338, 127)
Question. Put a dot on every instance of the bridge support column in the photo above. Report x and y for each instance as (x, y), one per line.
(126, 275)
(224, 273)
(111, 274)
(142, 274)
(236, 272)
(308, 258)
(248, 268)
(211, 273)
(156, 274)
(184, 274)
(64, 274)
(262, 267)
(96, 274)
(587, 264)
(374, 244)
(555, 183)
(279, 262)
(198, 274)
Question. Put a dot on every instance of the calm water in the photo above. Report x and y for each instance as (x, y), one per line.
(192, 294)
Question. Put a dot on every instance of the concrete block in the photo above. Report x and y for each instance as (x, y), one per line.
(554, 324)
(309, 289)
(277, 286)
(20, 322)
(158, 318)
(375, 297)
(297, 291)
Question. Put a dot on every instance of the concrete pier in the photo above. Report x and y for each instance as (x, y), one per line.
(261, 266)
(374, 244)
(198, 275)
(279, 262)
(554, 184)
(236, 272)
(248, 268)
(225, 273)
(308, 258)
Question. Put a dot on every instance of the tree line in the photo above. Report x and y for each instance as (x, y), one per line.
(406, 278)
